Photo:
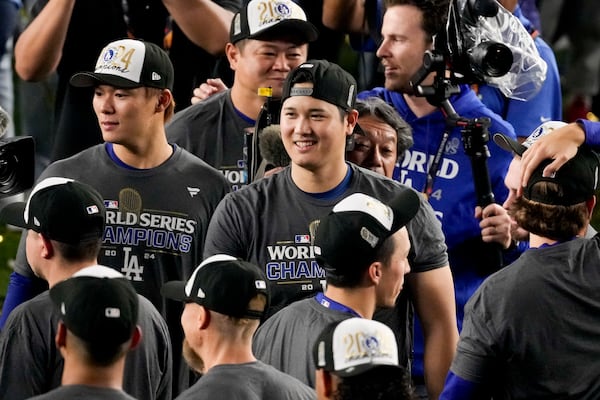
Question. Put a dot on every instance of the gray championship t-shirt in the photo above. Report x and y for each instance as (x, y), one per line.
(156, 224)
(249, 381)
(267, 223)
(30, 363)
(531, 330)
(214, 131)
(286, 340)
(79, 392)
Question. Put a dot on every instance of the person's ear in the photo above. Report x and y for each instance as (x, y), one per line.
(136, 337)
(374, 272)
(47, 247)
(233, 54)
(352, 117)
(164, 99)
(590, 204)
(204, 318)
(324, 383)
(61, 335)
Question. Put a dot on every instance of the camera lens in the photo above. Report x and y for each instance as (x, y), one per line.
(491, 59)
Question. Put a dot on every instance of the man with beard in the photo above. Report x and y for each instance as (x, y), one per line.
(225, 298)
(437, 164)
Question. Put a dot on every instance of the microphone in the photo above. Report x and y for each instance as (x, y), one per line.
(271, 147)
(4, 121)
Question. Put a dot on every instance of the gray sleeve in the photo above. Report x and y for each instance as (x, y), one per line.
(21, 265)
(178, 132)
(148, 371)
(428, 248)
(23, 359)
(225, 233)
(475, 357)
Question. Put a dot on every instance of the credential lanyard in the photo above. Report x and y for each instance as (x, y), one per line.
(334, 305)
(433, 168)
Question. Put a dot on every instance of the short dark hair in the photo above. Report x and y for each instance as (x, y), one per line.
(100, 355)
(435, 13)
(84, 250)
(552, 221)
(381, 383)
(378, 108)
(354, 275)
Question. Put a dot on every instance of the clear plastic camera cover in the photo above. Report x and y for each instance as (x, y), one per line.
(528, 71)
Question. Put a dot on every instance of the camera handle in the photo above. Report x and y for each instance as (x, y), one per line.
(474, 133)
(475, 136)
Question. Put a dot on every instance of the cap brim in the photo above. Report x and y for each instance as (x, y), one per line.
(88, 79)
(359, 369)
(14, 214)
(508, 144)
(290, 27)
(174, 290)
(405, 207)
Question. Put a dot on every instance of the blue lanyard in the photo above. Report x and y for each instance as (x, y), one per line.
(334, 305)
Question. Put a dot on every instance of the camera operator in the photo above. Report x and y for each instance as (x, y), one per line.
(437, 165)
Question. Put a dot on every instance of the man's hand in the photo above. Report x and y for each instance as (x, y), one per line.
(495, 224)
(207, 89)
(561, 145)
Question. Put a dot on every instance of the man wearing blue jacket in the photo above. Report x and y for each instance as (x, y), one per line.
(437, 163)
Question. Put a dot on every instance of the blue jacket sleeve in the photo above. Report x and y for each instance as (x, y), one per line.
(457, 388)
(592, 132)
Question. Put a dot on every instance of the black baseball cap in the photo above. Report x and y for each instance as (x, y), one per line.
(577, 180)
(97, 304)
(350, 235)
(271, 18)
(331, 83)
(62, 209)
(223, 284)
(129, 63)
(373, 344)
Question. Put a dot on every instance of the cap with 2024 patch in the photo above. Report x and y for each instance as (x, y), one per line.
(98, 304)
(224, 284)
(271, 18)
(354, 346)
(350, 235)
(62, 209)
(129, 63)
(330, 83)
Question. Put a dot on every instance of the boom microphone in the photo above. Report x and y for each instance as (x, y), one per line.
(271, 147)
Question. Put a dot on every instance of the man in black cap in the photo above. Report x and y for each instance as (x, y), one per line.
(363, 247)
(159, 197)
(530, 330)
(267, 223)
(225, 299)
(357, 359)
(97, 328)
(65, 221)
(267, 40)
